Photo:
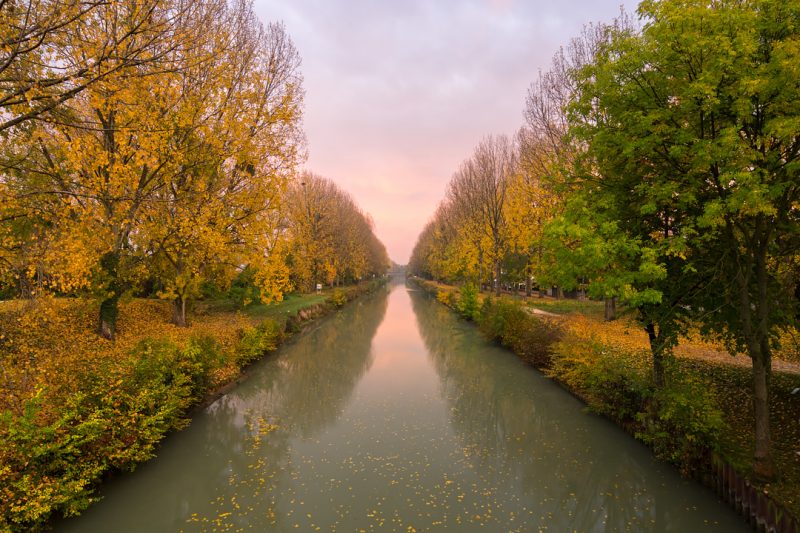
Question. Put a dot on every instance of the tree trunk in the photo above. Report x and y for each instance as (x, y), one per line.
(611, 309)
(559, 293)
(657, 350)
(497, 278)
(480, 269)
(763, 466)
(109, 311)
(757, 340)
(109, 307)
(528, 284)
(179, 312)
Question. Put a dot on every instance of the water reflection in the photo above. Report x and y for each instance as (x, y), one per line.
(408, 421)
(233, 466)
(533, 443)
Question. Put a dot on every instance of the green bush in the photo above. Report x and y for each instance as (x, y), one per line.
(46, 467)
(604, 378)
(467, 305)
(200, 356)
(51, 459)
(505, 321)
(254, 342)
(682, 422)
(501, 320)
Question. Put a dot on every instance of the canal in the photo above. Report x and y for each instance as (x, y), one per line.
(394, 415)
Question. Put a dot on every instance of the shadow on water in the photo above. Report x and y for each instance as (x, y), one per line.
(535, 442)
(234, 459)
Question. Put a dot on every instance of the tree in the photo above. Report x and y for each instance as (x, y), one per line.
(693, 122)
(236, 131)
(548, 158)
(173, 165)
(480, 187)
(331, 240)
(51, 50)
(532, 204)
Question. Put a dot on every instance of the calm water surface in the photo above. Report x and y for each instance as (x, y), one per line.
(390, 415)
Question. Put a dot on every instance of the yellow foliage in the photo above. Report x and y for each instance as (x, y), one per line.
(51, 343)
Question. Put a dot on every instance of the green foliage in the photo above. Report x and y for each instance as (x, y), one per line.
(255, 342)
(52, 458)
(197, 360)
(501, 319)
(243, 291)
(506, 321)
(681, 422)
(607, 378)
(468, 305)
(44, 467)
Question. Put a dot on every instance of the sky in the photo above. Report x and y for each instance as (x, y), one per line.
(399, 92)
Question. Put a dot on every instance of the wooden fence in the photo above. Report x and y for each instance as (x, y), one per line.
(758, 508)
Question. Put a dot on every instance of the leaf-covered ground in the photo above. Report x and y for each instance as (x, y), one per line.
(53, 342)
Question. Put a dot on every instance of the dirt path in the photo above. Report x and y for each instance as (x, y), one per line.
(534, 311)
(691, 351)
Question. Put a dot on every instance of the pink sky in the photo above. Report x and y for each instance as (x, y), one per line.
(398, 93)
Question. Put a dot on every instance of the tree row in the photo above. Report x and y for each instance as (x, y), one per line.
(658, 165)
(152, 147)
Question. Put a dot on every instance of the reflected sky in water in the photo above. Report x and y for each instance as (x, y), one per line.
(393, 414)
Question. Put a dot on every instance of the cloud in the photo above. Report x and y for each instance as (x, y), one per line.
(399, 93)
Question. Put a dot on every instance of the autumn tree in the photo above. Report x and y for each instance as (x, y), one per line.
(331, 239)
(236, 139)
(480, 189)
(532, 204)
(173, 166)
(50, 50)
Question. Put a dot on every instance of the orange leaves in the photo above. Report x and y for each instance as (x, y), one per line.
(52, 342)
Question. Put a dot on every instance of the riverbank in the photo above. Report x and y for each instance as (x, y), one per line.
(76, 407)
(704, 411)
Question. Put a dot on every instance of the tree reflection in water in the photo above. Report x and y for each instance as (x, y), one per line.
(416, 423)
(532, 441)
(245, 469)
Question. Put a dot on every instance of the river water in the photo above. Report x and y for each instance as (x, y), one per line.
(394, 415)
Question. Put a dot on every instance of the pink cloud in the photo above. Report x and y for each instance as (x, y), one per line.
(399, 93)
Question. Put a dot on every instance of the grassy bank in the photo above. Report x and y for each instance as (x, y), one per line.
(705, 407)
(75, 407)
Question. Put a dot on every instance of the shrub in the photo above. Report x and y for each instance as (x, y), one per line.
(338, 297)
(501, 320)
(254, 342)
(197, 360)
(682, 422)
(602, 376)
(45, 465)
(53, 453)
(446, 297)
(505, 321)
(467, 305)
